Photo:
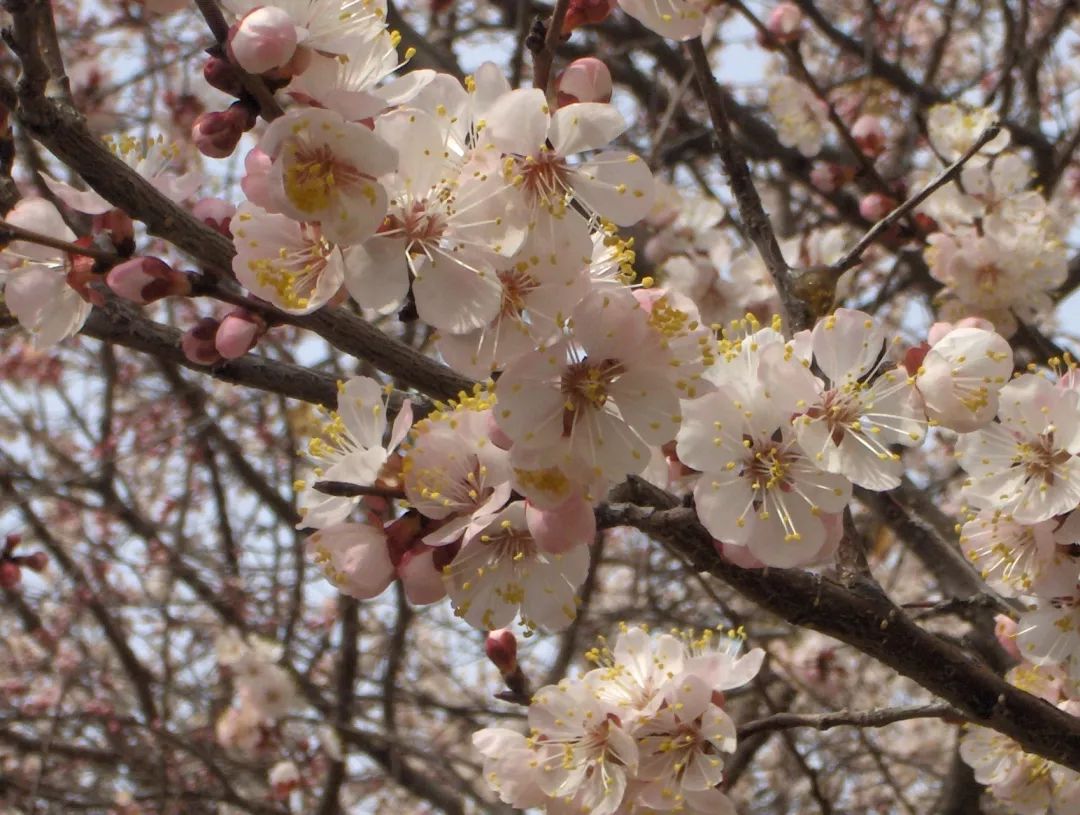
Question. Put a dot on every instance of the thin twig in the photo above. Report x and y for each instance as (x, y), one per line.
(545, 55)
(880, 717)
(852, 256)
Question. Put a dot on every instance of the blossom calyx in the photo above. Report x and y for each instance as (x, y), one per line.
(197, 343)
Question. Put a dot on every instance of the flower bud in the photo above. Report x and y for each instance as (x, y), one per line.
(584, 80)
(876, 205)
(238, 333)
(163, 6)
(585, 12)
(829, 177)
(1005, 629)
(10, 575)
(215, 213)
(422, 581)
(11, 540)
(197, 343)
(255, 183)
(221, 74)
(263, 40)
(869, 135)
(144, 280)
(501, 648)
(35, 562)
(785, 23)
(216, 133)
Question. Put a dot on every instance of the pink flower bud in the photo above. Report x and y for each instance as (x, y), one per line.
(785, 23)
(570, 524)
(255, 182)
(876, 205)
(215, 213)
(10, 575)
(265, 39)
(221, 74)
(584, 80)
(35, 562)
(143, 280)
(501, 648)
(938, 331)
(869, 135)
(238, 333)
(1005, 629)
(198, 342)
(422, 581)
(829, 177)
(216, 133)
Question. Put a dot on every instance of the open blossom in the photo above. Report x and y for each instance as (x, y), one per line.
(1025, 464)
(354, 557)
(155, 160)
(758, 488)
(350, 449)
(285, 262)
(953, 129)
(675, 19)
(800, 116)
(501, 571)
(1026, 783)
(604, 387)
(614, 184)
(997, 276)
(645, 731)
(1011, 556)
(849, 422)
(324, 169)
(961, 375)
(453, 472)
(446, 228)
(538, 287)
(35, 277)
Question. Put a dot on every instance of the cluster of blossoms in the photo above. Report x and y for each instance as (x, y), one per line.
(643, 732)
(263, 691)
(1028, 784)
(998, 248)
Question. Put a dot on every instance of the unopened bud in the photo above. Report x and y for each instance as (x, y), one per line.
(584, 80)
(11, 540)
(869, 135)
(144, 280)
(255, 183)
(1005, 629)
(265, 39)
(238, 333)
(829, 177)
(36, 561)
(221, 74)
(216, 133)
(785, 23)
(876, 206)
(586, 12)
(10, 574)
(501, 648)
(215, 213)
(198, 342)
